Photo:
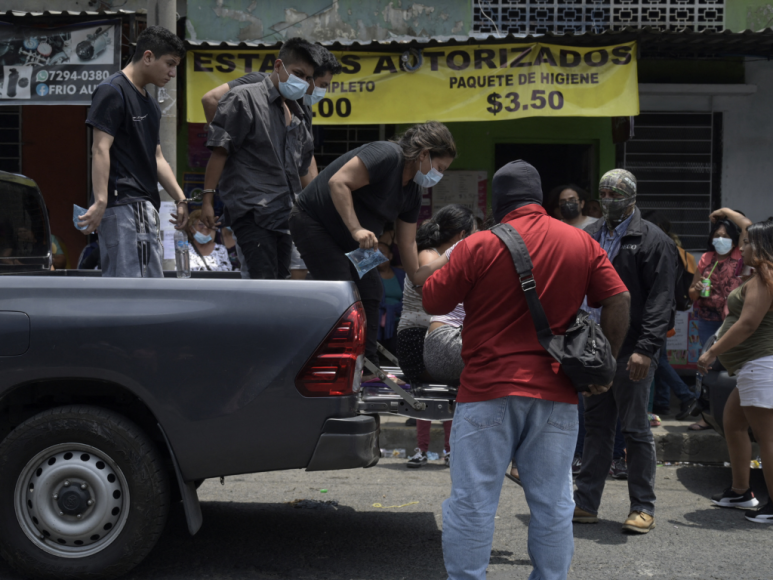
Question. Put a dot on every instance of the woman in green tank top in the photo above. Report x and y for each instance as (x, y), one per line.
(745, 349)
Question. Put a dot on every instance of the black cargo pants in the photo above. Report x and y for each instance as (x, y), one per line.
(326, 260)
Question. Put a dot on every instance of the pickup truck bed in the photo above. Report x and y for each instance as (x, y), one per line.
(207, 373)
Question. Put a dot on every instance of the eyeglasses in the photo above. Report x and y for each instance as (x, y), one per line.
(201, 226)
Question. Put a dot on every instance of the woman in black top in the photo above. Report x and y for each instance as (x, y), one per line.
(347, 205)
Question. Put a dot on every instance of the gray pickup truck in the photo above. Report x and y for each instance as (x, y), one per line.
(119, 396)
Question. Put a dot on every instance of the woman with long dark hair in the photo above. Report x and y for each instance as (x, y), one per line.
(745, 349)
(350, 201)
(433, 238)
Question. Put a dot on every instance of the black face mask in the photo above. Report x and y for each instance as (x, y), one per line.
(616, 210)
(570, 210)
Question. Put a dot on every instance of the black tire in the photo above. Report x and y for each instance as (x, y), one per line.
(117, 441)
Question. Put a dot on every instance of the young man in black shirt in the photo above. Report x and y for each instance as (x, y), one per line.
(127, 161)
(261, 151)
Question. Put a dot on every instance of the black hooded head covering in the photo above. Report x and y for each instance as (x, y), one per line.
(515, 185)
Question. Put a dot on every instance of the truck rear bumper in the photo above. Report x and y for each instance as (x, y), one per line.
(347, 443)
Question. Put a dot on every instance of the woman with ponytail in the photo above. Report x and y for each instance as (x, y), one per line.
(433, 238)
(745, 349)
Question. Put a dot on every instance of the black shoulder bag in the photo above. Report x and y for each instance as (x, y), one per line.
(584, 352)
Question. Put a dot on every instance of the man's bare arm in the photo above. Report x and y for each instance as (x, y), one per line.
(212, 175)
(168, 181)
(100, 174)
(615, 318)
(210, 100)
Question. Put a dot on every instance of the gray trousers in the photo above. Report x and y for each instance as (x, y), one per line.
(443, 354)
(629, 400)
(130, 241)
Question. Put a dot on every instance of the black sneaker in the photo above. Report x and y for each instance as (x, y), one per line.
(763, 515)
(731, 499)
(619, 469)
(576, 465)
(686, 409)
(419, 459)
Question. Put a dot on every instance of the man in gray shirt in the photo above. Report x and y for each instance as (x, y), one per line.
(261, 148)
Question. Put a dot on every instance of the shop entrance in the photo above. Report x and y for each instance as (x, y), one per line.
(557, 163)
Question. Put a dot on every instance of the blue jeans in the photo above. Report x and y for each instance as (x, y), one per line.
(540, 435)
(667, 380)
(706, 329)
(619, 449)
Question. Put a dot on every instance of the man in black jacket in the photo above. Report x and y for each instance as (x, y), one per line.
(645, 259)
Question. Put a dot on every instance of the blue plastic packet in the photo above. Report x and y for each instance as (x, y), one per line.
(78, 211)
(366, 260)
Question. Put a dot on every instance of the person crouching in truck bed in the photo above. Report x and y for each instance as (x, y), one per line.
(347, 205)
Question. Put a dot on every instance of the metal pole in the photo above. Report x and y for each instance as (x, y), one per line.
(164, 13)
(167, 17)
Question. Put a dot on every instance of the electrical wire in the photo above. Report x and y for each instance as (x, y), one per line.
(480, 7)
(276, 32)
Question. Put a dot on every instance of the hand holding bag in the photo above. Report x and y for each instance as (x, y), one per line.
(584, 352)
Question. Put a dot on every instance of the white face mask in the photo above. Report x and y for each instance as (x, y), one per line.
(429, 179)
(293, 88)
(722, 245)
(315, 97)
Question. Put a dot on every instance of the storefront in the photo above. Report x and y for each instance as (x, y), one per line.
(49, 66)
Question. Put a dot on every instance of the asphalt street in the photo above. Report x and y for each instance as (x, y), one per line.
(254, 529)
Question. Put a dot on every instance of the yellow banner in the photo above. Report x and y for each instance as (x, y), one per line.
(455, 83)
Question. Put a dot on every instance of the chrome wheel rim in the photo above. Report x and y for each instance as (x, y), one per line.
(71, 500)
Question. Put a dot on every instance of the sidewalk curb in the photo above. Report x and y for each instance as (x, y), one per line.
(672, 441)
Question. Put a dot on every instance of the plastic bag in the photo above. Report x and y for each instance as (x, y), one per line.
(366, 260)
(78, 211)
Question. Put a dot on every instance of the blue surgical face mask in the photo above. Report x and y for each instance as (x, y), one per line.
(293, 88)
(722, 245)
(315, 97)
(429, 179)
(201, 238)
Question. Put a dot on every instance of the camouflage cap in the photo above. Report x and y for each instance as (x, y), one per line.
(620, 181)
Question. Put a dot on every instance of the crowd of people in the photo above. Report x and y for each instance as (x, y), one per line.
(455, 313)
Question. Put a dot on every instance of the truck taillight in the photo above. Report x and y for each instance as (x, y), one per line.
(331, 371)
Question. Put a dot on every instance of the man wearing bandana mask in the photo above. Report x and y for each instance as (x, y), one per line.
(645, 259)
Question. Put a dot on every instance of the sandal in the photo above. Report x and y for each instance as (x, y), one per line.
(698, 427)
(654, 420)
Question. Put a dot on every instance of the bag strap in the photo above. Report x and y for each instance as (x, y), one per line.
(203, 259)
(523, 265)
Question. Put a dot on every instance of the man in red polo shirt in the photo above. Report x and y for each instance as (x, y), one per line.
(514, 400)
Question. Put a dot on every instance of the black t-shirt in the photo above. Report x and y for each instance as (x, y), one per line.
(134, 120)
(383, 200)
(259, 77)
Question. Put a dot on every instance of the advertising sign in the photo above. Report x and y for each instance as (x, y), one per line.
(453, 83)
(57, 66)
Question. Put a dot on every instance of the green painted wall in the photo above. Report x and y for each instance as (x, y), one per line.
(743, 15)
(476, 142)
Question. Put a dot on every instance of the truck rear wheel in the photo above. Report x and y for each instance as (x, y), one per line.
(83, 494)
